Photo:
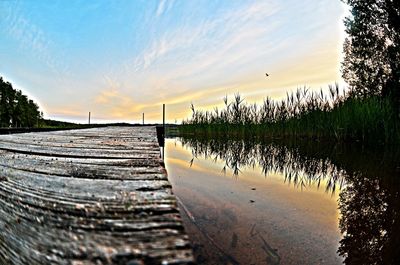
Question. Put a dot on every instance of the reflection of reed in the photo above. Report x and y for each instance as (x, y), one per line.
(369, 203)
(298, 169)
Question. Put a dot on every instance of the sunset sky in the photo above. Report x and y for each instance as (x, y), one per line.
(118, 59)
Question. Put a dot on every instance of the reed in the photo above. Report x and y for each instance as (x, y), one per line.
(338, 115)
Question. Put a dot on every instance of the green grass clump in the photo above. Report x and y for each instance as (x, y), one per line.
(339, 116)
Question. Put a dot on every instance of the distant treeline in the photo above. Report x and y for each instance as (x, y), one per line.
(16, 110)
(47, 123)
(56, 124)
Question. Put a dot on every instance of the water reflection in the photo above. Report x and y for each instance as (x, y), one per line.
(298, 168)
(367, 180)
(370, 221)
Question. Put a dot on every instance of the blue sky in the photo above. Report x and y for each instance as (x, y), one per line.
(118, 59)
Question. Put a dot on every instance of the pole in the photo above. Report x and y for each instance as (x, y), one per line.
(163, 131)
(143, 118)
(163, 118)
(89, 117)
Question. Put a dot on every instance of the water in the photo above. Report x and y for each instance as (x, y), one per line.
(286, 203)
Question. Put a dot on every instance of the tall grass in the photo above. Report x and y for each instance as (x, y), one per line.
(334, 115)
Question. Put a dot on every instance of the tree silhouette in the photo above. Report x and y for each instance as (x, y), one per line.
(16, 110)
(372, 48)
(370, 222)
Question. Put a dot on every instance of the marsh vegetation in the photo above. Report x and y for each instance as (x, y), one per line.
(338, 116)
(367, 110)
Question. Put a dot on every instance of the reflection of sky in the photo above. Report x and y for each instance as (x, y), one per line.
(121, 58)
(295, 220)
(181, 156)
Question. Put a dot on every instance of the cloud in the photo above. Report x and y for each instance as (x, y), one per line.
(31, 37)
(226, 53)
(173, 53)
(211, 51)
(68, 111)
(160, 8)
(113, 102)
(210, 37)
(163, 7)
(108, 95)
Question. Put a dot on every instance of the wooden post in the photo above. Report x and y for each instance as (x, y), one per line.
(163, 118)
(163, 132)
(89, 117)
(143, 118)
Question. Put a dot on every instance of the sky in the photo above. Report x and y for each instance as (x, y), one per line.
(119, 59)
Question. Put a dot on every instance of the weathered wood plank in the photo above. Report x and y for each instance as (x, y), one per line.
(93, 196)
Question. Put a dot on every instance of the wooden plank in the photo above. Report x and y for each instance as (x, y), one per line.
(93, 196)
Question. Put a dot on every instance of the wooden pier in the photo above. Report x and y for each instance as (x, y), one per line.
(92, 196)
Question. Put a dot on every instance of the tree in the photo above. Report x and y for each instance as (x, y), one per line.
(371, 64)
(16, 110)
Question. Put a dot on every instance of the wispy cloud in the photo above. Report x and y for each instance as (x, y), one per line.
(202, 60)
(31, 37)
(112, 101)
(171, 52)
(212, 37)
(163, 6)
(226, 50)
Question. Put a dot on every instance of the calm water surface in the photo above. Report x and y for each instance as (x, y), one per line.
(253, 203)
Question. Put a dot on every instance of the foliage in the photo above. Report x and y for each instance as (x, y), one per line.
(16, 110)
(372, 48)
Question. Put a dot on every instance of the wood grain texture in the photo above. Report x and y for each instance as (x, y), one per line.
(92, 196)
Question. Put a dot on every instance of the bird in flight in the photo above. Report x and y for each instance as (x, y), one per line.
(266, 74)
